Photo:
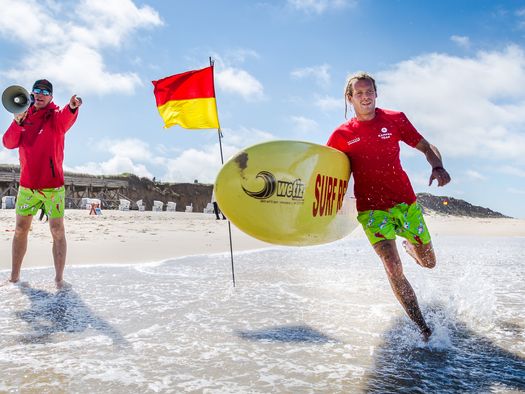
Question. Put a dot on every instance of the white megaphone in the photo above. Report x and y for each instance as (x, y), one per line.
(16, 99)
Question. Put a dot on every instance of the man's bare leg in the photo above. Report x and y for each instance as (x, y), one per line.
(387, 252)
(19, 245)
(58, 232)
(422, 254)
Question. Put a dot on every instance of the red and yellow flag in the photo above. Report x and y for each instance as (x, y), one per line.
(188, 99)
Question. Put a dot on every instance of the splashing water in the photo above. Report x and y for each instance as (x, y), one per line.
(314, 319)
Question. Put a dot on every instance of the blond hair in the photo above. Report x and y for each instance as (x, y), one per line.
(349, 88)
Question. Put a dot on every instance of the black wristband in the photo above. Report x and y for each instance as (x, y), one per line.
(437, 168)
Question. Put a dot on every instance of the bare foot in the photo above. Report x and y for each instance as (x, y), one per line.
(426, 334)
(62, 285)
(10, 281)
(14, 283)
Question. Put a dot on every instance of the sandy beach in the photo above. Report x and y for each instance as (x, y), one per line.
(126, 237)
(142, 237)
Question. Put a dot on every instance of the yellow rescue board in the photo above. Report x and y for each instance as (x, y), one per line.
(288, 193)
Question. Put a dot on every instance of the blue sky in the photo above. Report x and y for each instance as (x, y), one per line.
(456, 68)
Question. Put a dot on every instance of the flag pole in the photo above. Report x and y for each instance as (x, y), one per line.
(219, 134)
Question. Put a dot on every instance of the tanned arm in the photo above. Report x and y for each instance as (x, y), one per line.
(434, 159)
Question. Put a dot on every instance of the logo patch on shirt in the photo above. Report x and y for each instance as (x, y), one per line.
(385, 134)
(353, 141)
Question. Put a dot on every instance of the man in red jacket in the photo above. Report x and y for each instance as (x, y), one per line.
(386, 202)
(39, 133)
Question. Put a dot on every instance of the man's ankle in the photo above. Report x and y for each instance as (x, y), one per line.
(427, 333)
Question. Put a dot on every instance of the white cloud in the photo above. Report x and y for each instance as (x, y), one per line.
(462, 41)
(465, 106)
(237, 81)
(321, 74)
(38, 28)
(63, 41)
(133, 148)
(304, 125)
(419, 178)
(114, 166)
(512, 170)
(194, 164)
(64, 68)
(244, 136)
(472, 174)
(233, 79)
(136, 156)
(8, 156)
(328, 103)
(319, 6)
(109, 23)
(129, 155)
(203, 164)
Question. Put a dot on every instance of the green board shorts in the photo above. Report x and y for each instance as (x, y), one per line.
(52, 201)
(404, 220)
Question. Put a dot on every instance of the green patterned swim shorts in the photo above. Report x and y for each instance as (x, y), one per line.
(404, 220)
(52, 201)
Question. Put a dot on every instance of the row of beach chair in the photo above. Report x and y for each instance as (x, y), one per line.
(8, 202)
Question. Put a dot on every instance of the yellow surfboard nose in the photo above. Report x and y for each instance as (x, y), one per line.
(288, 193)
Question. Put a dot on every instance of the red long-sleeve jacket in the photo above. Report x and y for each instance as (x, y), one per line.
(40, 143)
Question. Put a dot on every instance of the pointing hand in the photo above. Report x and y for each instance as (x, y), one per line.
(75, 102)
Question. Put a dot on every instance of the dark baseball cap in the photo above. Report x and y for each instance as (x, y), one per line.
(43, 84)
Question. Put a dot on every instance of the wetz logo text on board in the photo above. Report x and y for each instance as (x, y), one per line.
(284, 191)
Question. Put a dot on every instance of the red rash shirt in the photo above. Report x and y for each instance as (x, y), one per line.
(373, 148)
(40, 143)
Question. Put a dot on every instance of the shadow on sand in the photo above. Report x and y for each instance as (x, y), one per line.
(63, 311)
(468, 363)
(302, 333)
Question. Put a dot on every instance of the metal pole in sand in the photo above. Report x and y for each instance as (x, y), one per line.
(219, 133)
(229, 223)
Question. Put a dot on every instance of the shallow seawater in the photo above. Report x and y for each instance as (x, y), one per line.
(300, 320)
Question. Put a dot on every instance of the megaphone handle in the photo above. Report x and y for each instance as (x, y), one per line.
(19, 118)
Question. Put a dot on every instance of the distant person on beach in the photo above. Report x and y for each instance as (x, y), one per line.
(216, 209)
(39, 135)
(386, 202)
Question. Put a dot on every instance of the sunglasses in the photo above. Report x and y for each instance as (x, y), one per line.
(45, 92)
